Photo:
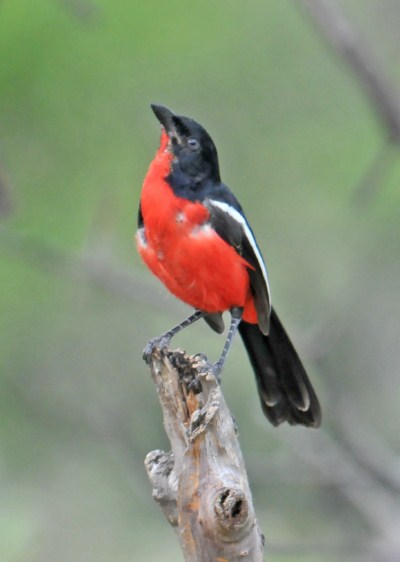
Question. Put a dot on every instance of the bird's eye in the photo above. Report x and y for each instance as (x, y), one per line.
(193, 143)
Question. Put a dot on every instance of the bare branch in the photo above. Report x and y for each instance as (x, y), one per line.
(375, 503)
(5, 197)
(111, 277)
(342, 37)
(84, 10)
(202, 487)
(377, 173)
(367, 448)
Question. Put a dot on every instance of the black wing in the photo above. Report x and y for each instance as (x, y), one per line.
(229, 221)
(140, 217)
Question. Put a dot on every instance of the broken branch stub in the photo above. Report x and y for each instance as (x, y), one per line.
(202, 484)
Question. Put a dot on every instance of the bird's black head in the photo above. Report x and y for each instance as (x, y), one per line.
(193, 148)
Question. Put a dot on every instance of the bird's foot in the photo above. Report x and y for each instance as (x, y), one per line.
(159, 342)
(202, 358)
(216, 369)
(207, 366)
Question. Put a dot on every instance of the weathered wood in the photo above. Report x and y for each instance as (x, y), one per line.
(201, 485)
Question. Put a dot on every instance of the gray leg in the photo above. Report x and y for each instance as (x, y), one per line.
(164, 339)
(236, 317)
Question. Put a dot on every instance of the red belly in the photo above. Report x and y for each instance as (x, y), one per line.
(199, 268)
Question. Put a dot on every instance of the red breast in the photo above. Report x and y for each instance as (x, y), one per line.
(183, 251)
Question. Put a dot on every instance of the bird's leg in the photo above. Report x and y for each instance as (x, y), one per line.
(164, 339)
(236, 316)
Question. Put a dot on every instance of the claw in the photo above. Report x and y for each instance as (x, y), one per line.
(201, 357)
(215, 368)
(151, 345)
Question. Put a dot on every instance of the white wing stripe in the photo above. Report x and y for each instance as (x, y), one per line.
(235, 215)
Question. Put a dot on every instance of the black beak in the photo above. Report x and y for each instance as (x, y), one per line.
(166, 118)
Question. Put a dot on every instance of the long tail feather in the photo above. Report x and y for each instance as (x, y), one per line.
(285, 390)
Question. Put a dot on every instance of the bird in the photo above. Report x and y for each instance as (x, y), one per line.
(194, 236)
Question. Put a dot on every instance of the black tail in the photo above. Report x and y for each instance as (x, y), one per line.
(285, 391)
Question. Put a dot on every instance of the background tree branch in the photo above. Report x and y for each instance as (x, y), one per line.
(346, 41)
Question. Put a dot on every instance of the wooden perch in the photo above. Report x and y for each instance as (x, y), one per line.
(201, 485)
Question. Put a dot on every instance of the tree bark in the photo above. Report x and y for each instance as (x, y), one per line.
(201, 485)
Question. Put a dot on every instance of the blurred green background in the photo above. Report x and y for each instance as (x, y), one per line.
(296, 136)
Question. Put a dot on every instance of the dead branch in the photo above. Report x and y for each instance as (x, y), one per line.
(367, 448)
(384, 98)
(342, 37)
(202, 484)
(6, 206)
(96, 269)
(84, 10)
(378, 506)
(377, 173)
